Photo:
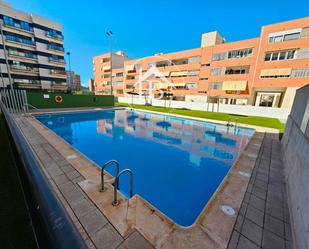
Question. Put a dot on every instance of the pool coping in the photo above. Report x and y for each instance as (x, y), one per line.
(207, 226)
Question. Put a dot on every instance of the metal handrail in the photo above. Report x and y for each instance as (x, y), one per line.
(52, 224)
(29, 105)
(102, 189)
(115, 201)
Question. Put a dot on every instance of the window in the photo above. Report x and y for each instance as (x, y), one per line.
(293, 36)
(240, 53)
(290, 54)
(191, 86)
(193, 73)
(275, 39)
(215, 86)
(203, 78)
(280, 55)
(219, 56)
(275, 56)
(267, 57)
(205, 65)
(267, 100)
(217, 71)
(237, 70)
(119, 74)
(300, 73)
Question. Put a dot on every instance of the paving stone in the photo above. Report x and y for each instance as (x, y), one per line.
(137, 241)
(244, 243)
(259, 192)
(243, 209)
(261, 184)
(257, 202)
(255, 215)
(107, 238)
(60, 179)
(274, 210)
(234, 240)
(252, 231)
(93, 221)
(82, 207)
(274, 225)
(73, 174)
(238, 223)
(272, 241)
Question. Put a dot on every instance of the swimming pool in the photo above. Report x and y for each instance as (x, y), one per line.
(177, 163)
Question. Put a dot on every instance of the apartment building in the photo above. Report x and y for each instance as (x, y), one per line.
(262, 71)
(73, 81)
(31, 51)
(107, 71)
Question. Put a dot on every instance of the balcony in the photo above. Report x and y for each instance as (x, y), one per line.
(14, 53)
(56, 60)
(58, 72)
(54, 35)
(55, 48)
(11, 38)
(18, 26)
(24, 69)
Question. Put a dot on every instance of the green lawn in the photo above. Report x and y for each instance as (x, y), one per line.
(251, 120)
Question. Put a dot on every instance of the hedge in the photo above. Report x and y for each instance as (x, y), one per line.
(38, 100)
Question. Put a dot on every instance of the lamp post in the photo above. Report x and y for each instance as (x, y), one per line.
(70, 71)
(110, 35)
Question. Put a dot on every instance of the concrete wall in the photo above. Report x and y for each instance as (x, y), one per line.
(270, 112)
(295, 145)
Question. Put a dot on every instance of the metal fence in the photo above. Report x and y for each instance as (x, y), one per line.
(14, 100)
(52, 225)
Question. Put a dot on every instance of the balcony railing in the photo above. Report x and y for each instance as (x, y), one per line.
(54, 35)
(18, 26)
(22, 54)
(56, 60)
(24, 68)
(19, 40)
(58, 72)
(53, 47)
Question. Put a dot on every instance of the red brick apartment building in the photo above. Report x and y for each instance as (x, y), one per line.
(263, 71)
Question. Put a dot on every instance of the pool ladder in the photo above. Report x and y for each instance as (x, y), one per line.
(116, 182)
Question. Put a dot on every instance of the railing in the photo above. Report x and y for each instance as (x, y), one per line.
(20, 40)
(22, 54)
(18, 26)
(52, 225)
(24, 68)
(13, 100)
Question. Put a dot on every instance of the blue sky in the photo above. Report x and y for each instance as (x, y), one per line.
(142, 28)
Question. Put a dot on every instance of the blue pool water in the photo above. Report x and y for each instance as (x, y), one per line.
(177, 163)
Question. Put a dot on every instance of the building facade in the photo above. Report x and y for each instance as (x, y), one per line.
(263, 71)
(31, 51)
(73, 81)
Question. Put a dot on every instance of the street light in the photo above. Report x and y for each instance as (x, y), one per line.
(70, 72)
(110, 35)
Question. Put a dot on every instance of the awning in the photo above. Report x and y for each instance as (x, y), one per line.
(181, 73)
(129, 67)
(179, 84)
(276, 72)
(234, 85)
(106, 67)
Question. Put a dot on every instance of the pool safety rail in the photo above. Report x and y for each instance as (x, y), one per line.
(14, 100)
(116, 182)
(116, 163)
(51, 223)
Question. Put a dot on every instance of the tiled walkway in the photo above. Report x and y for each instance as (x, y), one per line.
(92, 224)
(263, 220)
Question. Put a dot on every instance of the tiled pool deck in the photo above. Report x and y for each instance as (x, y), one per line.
(262, 219)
